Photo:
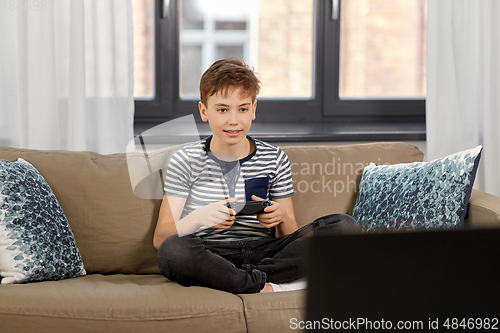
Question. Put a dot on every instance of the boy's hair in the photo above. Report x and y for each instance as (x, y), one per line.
(227, 74)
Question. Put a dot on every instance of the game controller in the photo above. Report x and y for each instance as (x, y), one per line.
(249, 207)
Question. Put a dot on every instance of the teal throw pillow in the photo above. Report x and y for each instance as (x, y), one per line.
(417, 196)
(36, 241)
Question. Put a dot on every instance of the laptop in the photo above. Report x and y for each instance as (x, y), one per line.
(423, 280)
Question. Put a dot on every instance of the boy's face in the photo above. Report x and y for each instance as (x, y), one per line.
(229, 117)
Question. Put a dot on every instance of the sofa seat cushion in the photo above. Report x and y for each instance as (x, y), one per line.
(119, 303)
(274, 312)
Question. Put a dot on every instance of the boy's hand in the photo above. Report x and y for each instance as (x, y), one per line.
(217, 215)
(273, 215)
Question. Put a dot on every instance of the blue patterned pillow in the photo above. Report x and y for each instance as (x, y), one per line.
(36, 241)
(421, 195)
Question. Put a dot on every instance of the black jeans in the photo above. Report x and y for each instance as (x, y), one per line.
(243, 266)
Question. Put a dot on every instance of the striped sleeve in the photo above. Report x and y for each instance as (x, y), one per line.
(281, 185)
(178, 175)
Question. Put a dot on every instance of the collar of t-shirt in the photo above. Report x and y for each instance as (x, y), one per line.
(230, 169)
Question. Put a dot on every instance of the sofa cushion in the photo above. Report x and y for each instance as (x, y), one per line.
(326, 178)
(483, 211)
(118, 303)
(274, 312)
(113, 228)
(36, 242)
(423, 195)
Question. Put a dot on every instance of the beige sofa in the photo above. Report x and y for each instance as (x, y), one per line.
(123, 290)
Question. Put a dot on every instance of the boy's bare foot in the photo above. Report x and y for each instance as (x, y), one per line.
(267, 288)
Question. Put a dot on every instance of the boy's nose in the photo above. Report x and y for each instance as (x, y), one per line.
(233, 117)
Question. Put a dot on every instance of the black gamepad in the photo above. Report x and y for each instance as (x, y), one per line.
(249, 207)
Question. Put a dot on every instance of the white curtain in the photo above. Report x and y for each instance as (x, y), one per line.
(66, 75)
(463, 83)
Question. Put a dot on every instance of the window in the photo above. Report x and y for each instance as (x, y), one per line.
(144, 49)
(278, 46)
(382, 49)
(210, 31)
(320, 61)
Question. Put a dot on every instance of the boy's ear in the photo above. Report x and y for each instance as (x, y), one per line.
(254, 108)
(203, 111)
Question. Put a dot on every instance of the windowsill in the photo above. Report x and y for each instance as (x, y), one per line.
(317, 132)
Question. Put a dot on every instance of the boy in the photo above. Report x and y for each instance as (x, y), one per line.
(200, 240)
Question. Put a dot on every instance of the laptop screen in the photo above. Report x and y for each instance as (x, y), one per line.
(412, 280)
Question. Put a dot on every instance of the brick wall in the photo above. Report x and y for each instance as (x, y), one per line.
(383, 48)
(285, 48)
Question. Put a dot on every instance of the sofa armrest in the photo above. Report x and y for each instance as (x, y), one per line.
(483, 211)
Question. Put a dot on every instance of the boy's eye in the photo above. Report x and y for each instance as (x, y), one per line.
(243, 109)
(222, 110)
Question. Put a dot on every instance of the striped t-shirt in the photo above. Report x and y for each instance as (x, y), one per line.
(196, 174)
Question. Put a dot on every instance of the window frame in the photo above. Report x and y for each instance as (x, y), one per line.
(321, 108)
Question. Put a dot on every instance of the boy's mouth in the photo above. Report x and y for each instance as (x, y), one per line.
(233, 132)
